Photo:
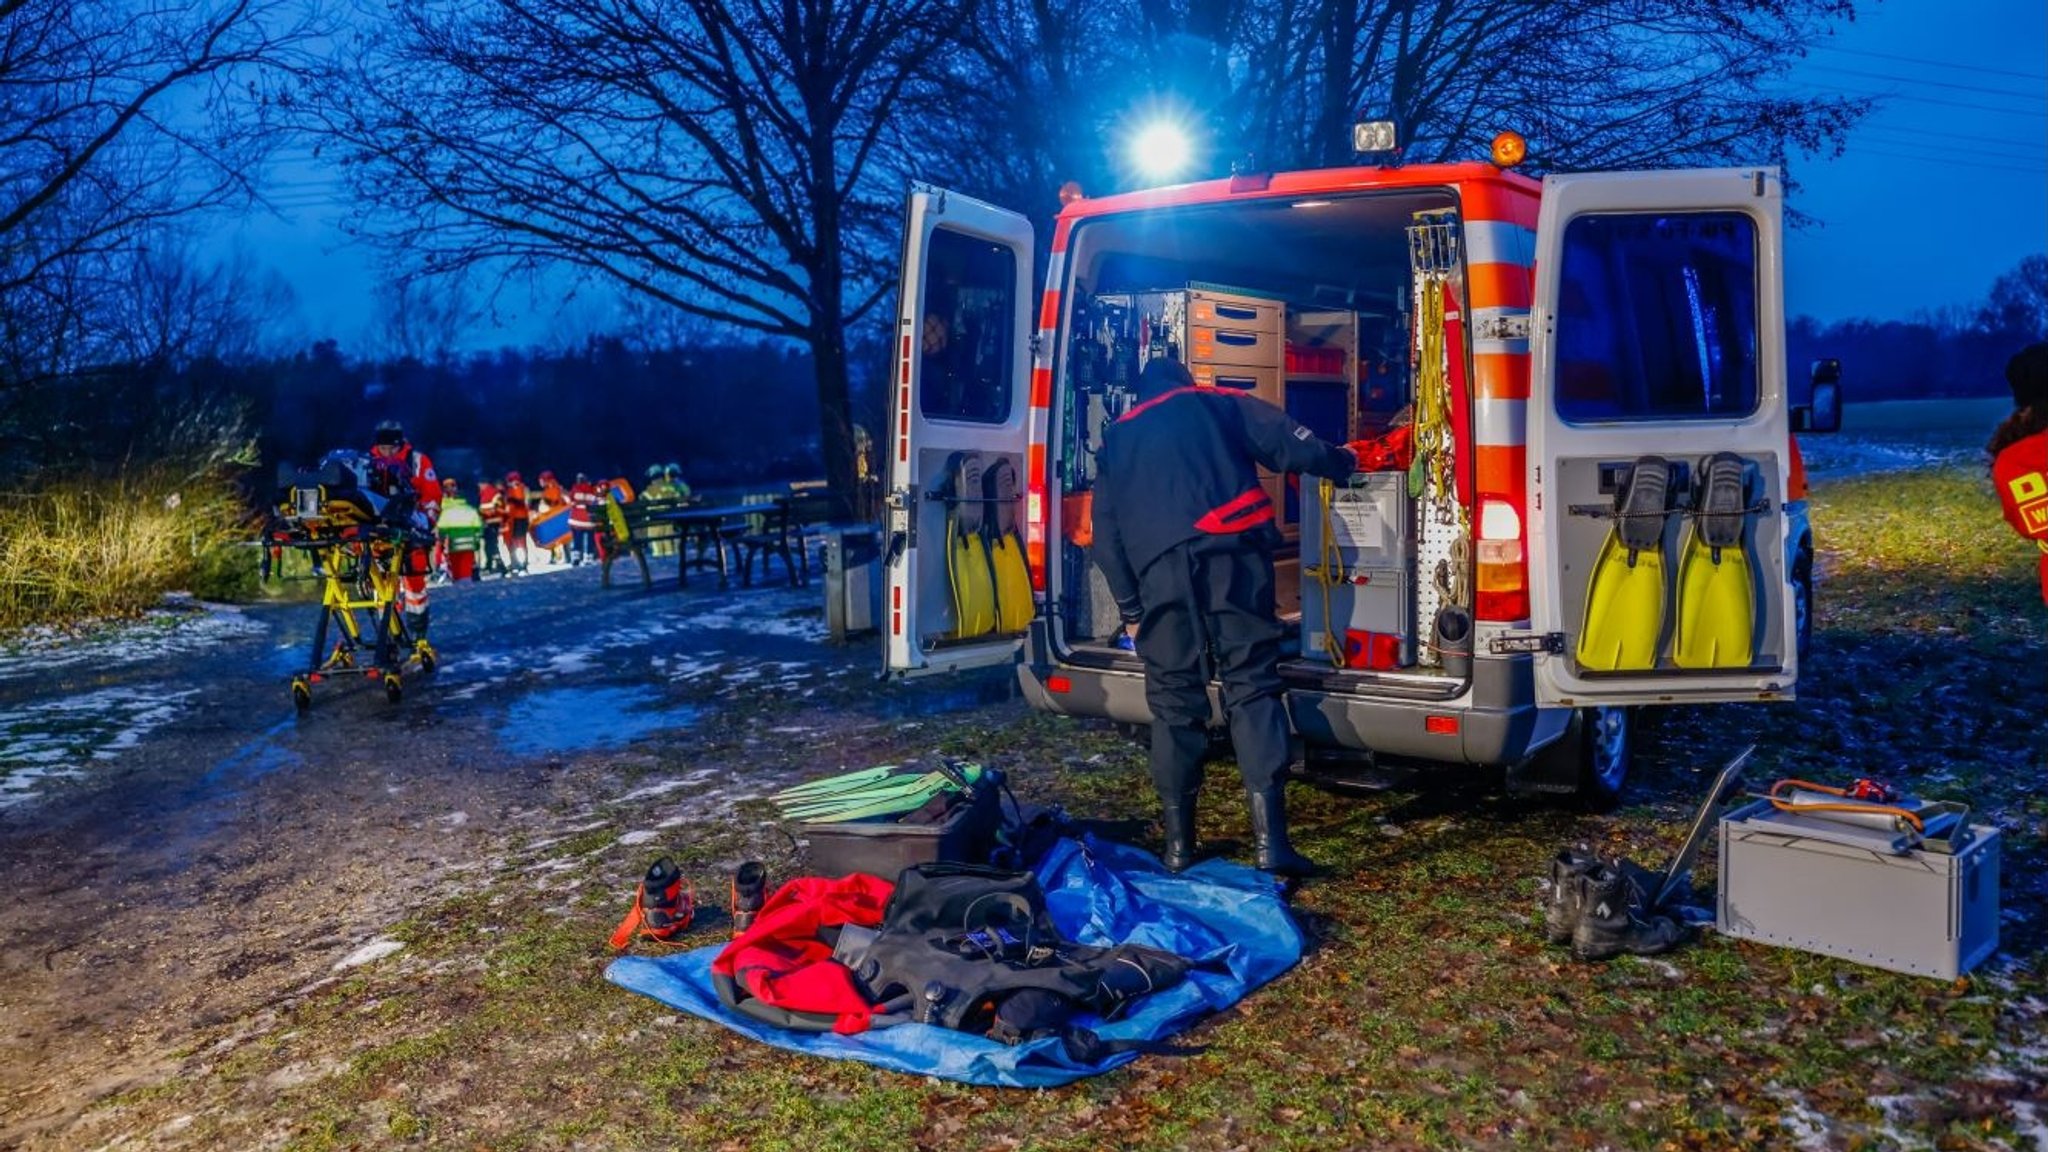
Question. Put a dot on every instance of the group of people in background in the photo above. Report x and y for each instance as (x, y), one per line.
(507, 510)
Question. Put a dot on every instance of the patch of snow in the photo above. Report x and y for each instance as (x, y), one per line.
(636, 838)
(373, 951)
(455, 819)
(1808, 1128)
(157, 636)
(50, 738)
(2028, 1125)
(657, 789)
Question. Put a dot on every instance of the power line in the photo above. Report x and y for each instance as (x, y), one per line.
(1938, 134)
(2040, 96)
(1864, 92)
(1945, 160)
(1929, 63)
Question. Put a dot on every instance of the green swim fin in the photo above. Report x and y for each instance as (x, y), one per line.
(1716, 584)
(1626, 592)
(974, 592)
(834, 785)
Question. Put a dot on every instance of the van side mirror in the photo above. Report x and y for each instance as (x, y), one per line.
(1824, 412)
(1828, 371)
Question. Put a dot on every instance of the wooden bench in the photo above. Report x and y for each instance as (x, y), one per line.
(634, 530)
(781, 531)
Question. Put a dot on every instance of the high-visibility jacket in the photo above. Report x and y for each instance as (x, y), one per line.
(2020, 473)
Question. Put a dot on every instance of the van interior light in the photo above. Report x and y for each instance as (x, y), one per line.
(1509, 149)
(1311, 204)
(1375, 136)
(1161, 150)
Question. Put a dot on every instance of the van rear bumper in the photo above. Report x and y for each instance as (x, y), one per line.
(1495, 722)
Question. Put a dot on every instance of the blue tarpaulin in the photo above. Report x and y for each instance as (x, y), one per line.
(1228, 918)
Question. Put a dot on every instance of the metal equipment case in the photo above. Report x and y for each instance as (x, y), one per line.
(1841, 890)
(1357, 564)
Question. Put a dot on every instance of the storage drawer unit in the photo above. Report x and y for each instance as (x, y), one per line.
(1362, 549)
(1837, 889)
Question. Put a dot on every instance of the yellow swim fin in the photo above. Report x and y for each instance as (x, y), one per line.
(1013, 584)
(1626, 593)
(1716, 585)
(1014, 606)
(966, 553)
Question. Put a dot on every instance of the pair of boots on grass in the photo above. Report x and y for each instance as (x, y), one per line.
(1603, 909)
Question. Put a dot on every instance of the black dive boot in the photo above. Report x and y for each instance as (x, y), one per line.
(1177, 814)
(1613, 920)
(1269, 835)
(1566, 899)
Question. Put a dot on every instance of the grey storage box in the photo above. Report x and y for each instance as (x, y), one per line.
(1844, 890)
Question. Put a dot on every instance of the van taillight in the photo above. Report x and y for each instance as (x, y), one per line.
(1034, 533)
(1502, 561)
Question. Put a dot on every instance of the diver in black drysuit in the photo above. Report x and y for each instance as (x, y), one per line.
(1184, 533)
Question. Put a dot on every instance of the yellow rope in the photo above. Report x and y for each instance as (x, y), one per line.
(1330, 572)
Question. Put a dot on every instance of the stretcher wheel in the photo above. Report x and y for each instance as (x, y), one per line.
(427, 658)
(302, 693)
(394, 688)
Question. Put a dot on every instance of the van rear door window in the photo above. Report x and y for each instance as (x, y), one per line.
(1657, 317)
(969, 325)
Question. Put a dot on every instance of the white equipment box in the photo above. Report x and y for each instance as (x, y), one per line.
(1873, 895)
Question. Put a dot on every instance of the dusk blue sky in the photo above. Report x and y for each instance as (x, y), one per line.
(1940, 191)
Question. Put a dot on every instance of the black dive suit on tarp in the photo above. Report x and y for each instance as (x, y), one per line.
(1184, 534)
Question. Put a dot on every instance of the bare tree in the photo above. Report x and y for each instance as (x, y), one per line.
(116, 118)
(422, 318)
(1591, 83)
(2017, 306)
(724, 159)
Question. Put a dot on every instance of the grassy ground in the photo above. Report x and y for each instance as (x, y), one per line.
(1429, 1013)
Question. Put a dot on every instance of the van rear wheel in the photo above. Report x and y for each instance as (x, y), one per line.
(1597, 749)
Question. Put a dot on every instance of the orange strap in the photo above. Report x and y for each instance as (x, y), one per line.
(623, 934)
(1866, 808)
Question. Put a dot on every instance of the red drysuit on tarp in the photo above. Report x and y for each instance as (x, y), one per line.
(781, 963)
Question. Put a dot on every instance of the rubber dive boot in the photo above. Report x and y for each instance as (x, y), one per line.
(1269, 835)
(1177, 814)
(1562, 905)
(749, 892)
(1612, 919)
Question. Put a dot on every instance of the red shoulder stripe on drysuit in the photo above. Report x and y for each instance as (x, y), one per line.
(1154, 402)
(1247, 510)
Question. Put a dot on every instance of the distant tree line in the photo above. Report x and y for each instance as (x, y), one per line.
(1956, 352)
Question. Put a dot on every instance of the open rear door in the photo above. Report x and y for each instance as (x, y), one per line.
(959, 595)
(1658, 440)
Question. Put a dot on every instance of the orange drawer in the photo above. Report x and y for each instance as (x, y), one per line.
(1250, 347)
(1261, 382)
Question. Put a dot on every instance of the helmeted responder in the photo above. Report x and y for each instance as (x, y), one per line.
(399, 471)
(2019, 452)
(490, 508)
(518, 521)
(584, 499)
(1185, 533)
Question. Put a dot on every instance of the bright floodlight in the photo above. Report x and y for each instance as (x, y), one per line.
(1160, 150)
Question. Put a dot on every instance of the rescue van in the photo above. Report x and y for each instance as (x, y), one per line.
(1580, 488)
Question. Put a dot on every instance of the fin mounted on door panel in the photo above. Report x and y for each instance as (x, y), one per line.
(1014, 605)
(1716, 583)
(974, 595)
(1626, 592)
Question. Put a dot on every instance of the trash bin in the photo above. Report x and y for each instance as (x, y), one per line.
(853, 579)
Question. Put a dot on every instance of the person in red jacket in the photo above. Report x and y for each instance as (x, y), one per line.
(490, 508)
(2019, 452)
(400, 471)
(1184, 534)
(584, 499)
(518, 521)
